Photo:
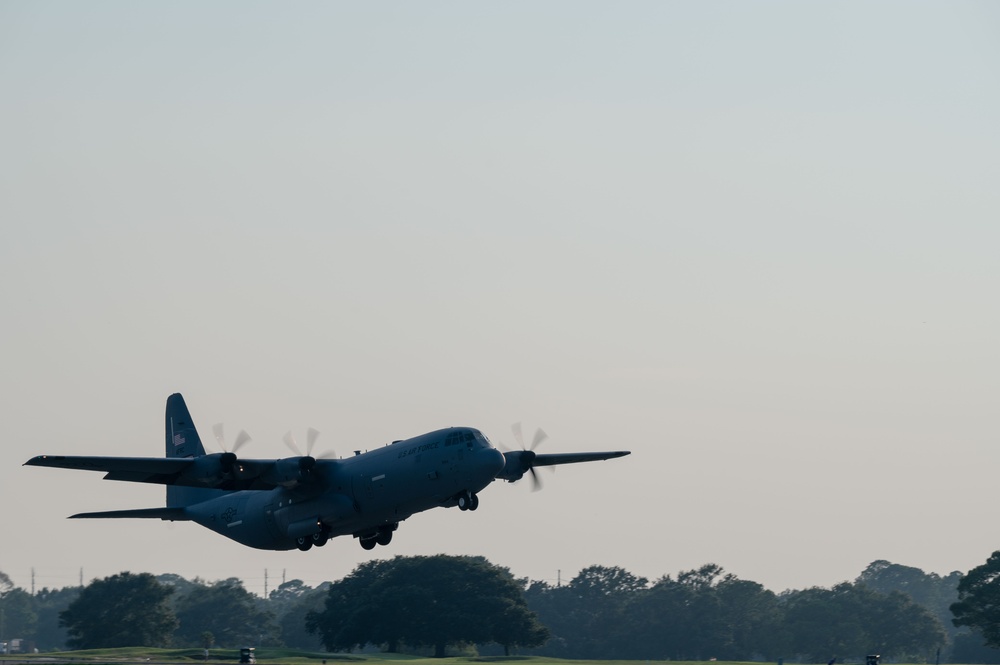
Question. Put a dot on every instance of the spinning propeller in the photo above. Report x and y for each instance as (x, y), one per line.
(525, 458)
(228, 459)
(311, 436)
(306, 461)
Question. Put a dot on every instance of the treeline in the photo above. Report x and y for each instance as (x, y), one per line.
(167, 610)
(441, 604)
(706, 613)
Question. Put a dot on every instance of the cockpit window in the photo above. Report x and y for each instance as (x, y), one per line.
(472, 438)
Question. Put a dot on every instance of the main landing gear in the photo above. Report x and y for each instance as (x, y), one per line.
(305, 543)
(467, 501)
(383, 536)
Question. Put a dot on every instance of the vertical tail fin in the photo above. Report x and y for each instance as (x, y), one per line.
(182, 440)
(182, 437)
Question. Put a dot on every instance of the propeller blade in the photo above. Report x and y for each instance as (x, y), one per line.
(290, 442)
(311, 436)
(536, 482)
(241, 440)
(516, 429)
(526, 456)
(217, 430)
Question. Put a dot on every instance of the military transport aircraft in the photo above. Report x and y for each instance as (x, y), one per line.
(302, 501)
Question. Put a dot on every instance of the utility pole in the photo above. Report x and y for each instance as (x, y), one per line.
(81, 576)
(558, 578)
(282, 575)
(265, 583)
(32, 580)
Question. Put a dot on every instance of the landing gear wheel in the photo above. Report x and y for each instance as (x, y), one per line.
(319, 539)
(474, 503)
(368, 543)
(384, 537)
(303, 543)
(464, 501)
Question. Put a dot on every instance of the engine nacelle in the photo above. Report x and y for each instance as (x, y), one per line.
(516, 464)
(207, 470)
(289, 472)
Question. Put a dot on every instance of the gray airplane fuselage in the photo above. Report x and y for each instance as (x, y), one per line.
(357, 495)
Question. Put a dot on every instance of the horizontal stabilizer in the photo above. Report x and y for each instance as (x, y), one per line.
(172, 514)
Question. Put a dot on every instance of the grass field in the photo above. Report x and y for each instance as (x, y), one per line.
(267, 656)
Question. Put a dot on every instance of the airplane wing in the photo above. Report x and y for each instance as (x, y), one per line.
(216, 471)
(172, 514)
(573, 458)
(136, 469)
(519, 462)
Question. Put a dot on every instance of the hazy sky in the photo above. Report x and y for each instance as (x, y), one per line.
(755, 243)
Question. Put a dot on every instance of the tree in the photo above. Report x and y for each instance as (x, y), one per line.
(49, 604)
(849, 620)
(659, 621)
(586, 616)
(226, 610)
(899, 627)
(120, 611)
(180, 585)
(978, 605)
(704, 613)
(750, 618)
(343, 624)
(290, 603)
(932, 591)
(432, 601)
(825, 623)
(19, 616)
(597, 581)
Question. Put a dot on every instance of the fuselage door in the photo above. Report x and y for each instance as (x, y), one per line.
(364, 493)
(269, 520)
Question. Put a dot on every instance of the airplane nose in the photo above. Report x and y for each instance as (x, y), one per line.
(494, 461)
